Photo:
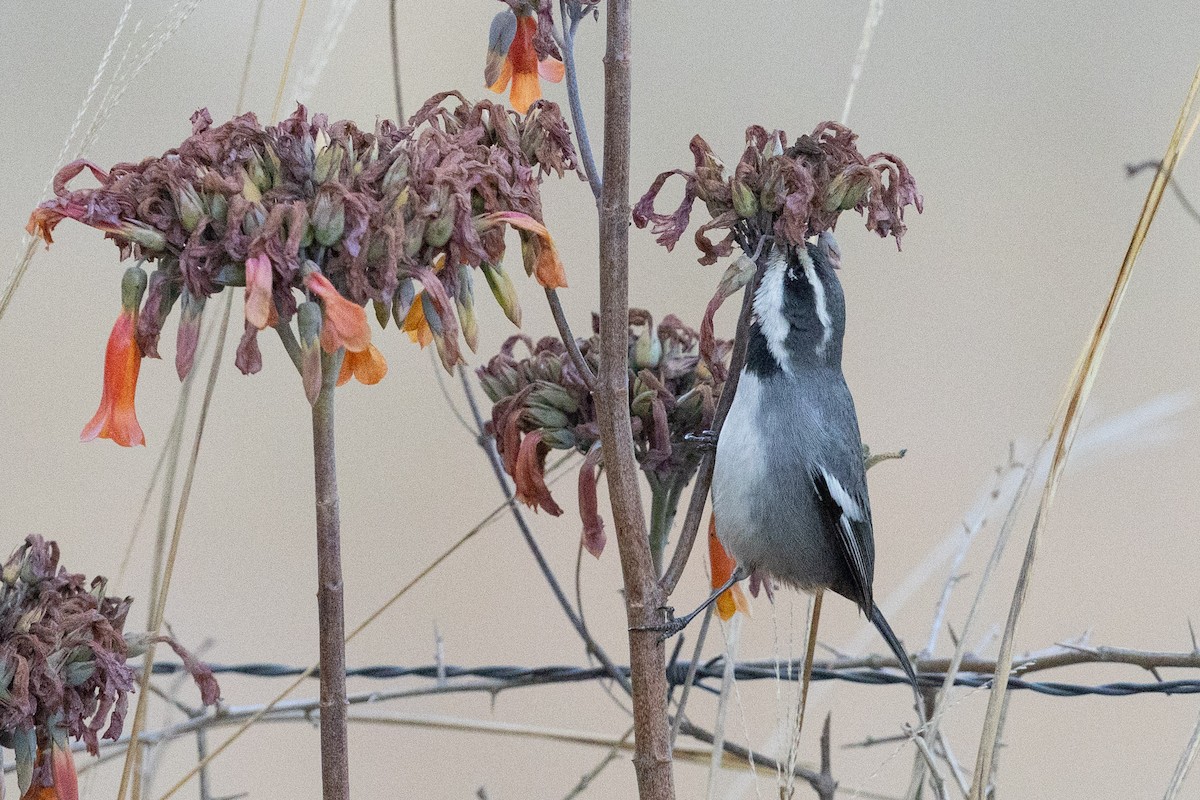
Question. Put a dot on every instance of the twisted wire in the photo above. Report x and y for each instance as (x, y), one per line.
(515, 676)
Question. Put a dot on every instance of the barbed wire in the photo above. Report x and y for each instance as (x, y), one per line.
(511, 677)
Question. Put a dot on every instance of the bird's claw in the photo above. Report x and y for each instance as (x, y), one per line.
(669, 627)
(705, 440)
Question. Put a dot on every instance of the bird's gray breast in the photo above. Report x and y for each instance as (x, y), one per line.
(766, 508)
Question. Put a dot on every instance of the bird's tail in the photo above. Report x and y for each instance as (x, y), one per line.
(889, 636)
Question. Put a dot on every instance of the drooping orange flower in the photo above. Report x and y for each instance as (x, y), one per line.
(530, 475)
(116, 419)
(542, 259)
(62, 770)
(733, 599)
(512, 58)
(366, 366)
(416, 325)
(344, 323)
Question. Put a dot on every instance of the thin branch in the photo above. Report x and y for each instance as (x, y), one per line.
(395, 42)
(1134, 169)
(566, 43)
(695, 511)
(568, 338)
(489, 448)
(827, 785)
(1185, 762)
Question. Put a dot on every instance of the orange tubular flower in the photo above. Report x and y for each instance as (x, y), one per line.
(366, 366)
(542, 261)
(733, 599)
(415, 324)
(116, 419)
(512, 57)
(345, 323)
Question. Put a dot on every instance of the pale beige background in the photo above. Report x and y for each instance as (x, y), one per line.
(1016, 119)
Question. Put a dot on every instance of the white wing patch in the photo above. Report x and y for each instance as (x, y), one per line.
(819, 304)
(850, 507)
(768, 308)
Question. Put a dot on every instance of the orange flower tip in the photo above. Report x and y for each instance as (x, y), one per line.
(497, 73)
(526, 90)
(552, 69)
(368, 367)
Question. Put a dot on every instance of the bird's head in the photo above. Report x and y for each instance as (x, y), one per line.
(799, 310)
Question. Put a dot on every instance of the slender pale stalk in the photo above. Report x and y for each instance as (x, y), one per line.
(335, 768)
(643, 598)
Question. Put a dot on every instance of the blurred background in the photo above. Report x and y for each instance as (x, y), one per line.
(1017, 120)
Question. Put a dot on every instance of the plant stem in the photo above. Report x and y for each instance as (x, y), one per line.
(335, 767)
(643, 599)
(570, 23)
(691, 522)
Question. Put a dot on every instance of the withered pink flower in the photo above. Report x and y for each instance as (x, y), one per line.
(63, 670)
(673, 393)
(790, 192)
(242, 205)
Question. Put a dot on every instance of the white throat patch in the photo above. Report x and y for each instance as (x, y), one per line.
(819, 304)
(768, 307)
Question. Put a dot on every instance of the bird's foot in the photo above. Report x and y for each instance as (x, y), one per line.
(670, 626)
(705, 441)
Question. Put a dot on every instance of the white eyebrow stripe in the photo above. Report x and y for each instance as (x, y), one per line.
(822, 309)
(768, 308)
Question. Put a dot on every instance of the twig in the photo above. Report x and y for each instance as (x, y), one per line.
(570, 24)
(695, 511)
(826, 785)
(1134, 169)
(568, 338)
(609, 757)
(874, 14)
(1078, 396)
(691, 673)
(489, 449)
(1185, 762)
(331, 613)
(395, 42)
(643, 596)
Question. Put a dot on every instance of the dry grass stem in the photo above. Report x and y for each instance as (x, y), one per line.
(1185, 762)
(1076, 400)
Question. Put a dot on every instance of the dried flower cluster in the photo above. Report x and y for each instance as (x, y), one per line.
(63, 670)
(543, 404)
(309, 212)
(793, 193)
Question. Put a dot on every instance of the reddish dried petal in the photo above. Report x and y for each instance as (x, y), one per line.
(593, 524)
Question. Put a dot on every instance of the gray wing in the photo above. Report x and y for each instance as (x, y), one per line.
(849, 516)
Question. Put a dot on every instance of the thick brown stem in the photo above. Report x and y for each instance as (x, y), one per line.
(652, 754)
(335, 767)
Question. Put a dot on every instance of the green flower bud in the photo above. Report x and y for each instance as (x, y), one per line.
(328, 164)
(552, 394)
(414, 237)
(545, 416)
(438, 231)
(328, 219)
(133, 286)
(465, 301)
(560, 439)
(647, 350)
(382, 312)
(144, 236)
(492, 388)
(640, 406)
(218, 208)
(745, 203)
(397, 173)
(504, 291)
(845, 191)
(77, 673)
(402, 300)
(188, 206)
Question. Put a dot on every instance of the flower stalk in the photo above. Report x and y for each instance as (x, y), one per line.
(335, 770)
(652, 755)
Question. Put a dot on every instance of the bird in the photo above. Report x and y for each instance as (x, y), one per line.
(789, 487)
